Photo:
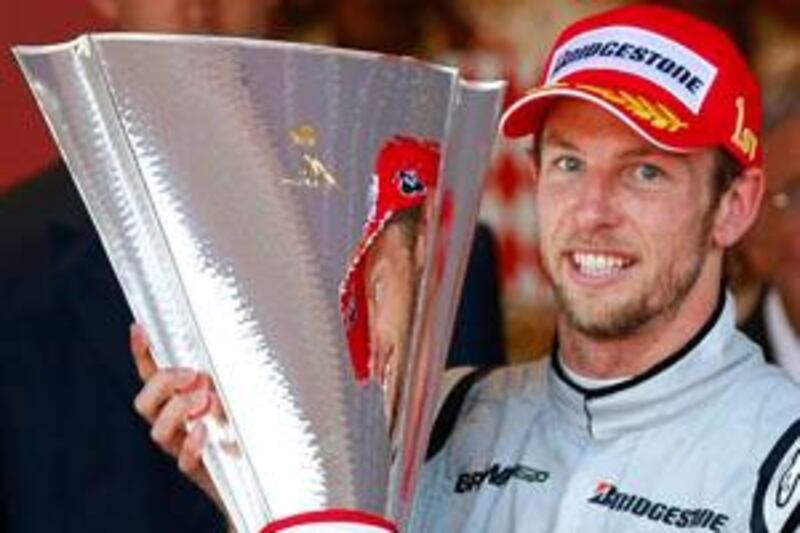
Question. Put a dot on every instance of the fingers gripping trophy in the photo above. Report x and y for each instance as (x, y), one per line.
(272, 211)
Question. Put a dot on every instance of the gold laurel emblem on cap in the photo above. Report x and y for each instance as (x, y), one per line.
(657, 114)
(744, 138)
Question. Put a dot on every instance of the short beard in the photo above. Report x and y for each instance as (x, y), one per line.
(635, 315)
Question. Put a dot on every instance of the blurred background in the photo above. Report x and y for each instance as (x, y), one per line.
(71, 444)
(501, 38)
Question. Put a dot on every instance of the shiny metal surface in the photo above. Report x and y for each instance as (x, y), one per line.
(457, 202)
(228, 180)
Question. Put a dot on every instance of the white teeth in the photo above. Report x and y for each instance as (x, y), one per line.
(598, 264)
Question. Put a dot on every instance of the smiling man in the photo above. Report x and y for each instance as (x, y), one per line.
(653, 412)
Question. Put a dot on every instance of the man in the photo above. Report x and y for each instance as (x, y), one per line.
(75, 457)
(773, 246)
(653, 413)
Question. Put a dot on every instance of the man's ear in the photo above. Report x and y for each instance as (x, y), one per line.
(738, 208)
(107, 9)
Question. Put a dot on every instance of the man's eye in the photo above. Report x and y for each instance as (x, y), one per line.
(568, 163)
(648, 172)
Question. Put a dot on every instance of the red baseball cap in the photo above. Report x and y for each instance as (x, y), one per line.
(679, 82)
(406, 172)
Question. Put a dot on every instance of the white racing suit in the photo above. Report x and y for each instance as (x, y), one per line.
(707, 441)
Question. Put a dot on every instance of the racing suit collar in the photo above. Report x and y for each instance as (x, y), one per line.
(699, 370)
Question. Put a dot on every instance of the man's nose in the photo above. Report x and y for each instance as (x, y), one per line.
(596, 205)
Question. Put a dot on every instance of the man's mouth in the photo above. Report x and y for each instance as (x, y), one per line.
(599, 265)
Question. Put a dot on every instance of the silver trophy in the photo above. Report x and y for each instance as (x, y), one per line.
(250, 195)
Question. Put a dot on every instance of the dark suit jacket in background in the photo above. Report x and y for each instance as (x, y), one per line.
(478, 331)
(74, 456)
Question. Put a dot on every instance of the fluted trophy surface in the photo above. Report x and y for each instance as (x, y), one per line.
(238, 188)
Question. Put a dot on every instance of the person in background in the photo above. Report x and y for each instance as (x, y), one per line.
(74, 456)
(772, 248)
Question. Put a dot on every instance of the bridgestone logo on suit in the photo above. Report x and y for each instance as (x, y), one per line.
(607, 495)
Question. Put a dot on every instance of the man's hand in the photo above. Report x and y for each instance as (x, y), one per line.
(172, 400)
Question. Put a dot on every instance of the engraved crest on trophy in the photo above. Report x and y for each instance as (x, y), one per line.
(312, 172)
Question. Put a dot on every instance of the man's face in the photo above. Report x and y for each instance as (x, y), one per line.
(777, 233)
(391, 288)
(223, 17)
(625, 226)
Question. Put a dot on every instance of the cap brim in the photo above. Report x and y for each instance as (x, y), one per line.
(524, 117)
